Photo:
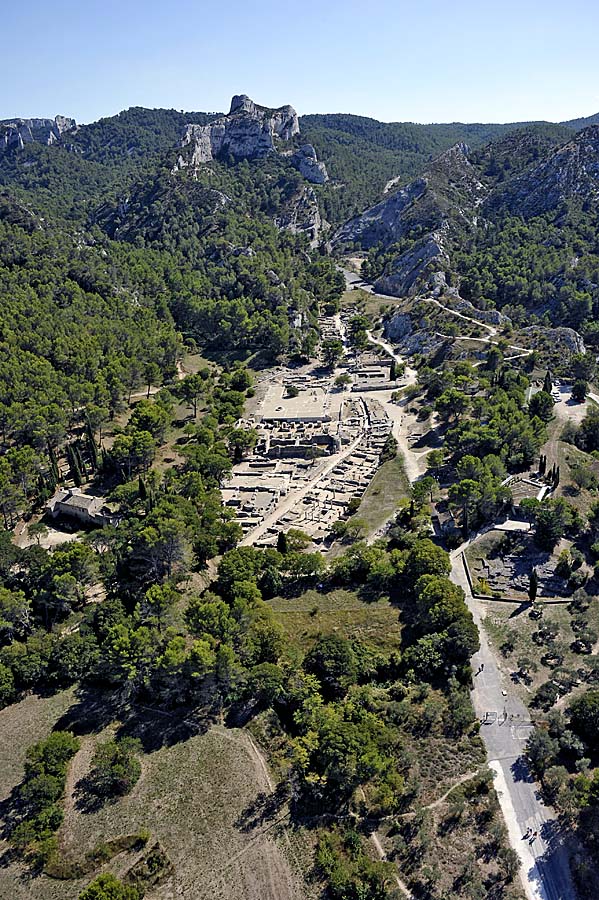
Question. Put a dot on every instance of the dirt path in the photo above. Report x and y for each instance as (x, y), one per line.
(266, 872)
(78, 768)
(468, 776)
(404, 423)
(521, 351)
(383, 857)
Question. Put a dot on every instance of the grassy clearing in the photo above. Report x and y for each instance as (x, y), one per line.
(21, 725)
(196, 796)
(193, 362)
(371, 305)
(567, 457)
(384, 494)
(313, 613)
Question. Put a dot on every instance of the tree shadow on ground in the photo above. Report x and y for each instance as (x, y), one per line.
(520, 771)
(265, 809)
(94, 710)
(156, 729)
(553, 865)
(87, 797)
(521, 608)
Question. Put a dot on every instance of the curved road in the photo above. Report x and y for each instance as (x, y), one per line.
(544, 869)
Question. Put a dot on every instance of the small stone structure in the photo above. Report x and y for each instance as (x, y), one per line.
(74, 504)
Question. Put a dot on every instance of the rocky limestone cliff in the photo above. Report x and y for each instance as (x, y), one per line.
(306, 162)
(15, 133)
(301, 215)
(249, 131)
(448, 194)
(449, 189)
(383, 222)
(568, 172)
(408, 270)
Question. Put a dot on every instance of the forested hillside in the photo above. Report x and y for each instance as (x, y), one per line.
(111, 263)
(150, 286)
(511, 225)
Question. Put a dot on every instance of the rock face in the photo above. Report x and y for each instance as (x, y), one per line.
(450, 189)
(409, 269)
(569, 171)
(306, 162)
(301, 215)
(249, 131)
(383, 222)
(568, 340)
(15, 133)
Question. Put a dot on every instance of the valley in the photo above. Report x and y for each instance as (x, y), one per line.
(299, 480)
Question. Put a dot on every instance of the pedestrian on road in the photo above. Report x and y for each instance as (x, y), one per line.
(482, 666)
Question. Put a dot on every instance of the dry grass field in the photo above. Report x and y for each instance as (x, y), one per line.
(313, 613)
(197, 797)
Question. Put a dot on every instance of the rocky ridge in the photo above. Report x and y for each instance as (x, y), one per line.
(249, 131)
(428, 218)
(15, 133)
(449, 193)
(570, 171)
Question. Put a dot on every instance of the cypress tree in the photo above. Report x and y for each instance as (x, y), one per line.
(53, 463)
(548, 382)
(91, 446)
(80, 462)
(533, 585)
(282, 543)
(143, 491)
(73, 465)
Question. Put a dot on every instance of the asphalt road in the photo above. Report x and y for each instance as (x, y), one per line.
(545, 869)
(505, 729)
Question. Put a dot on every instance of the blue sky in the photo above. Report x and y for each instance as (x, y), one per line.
(425, 61)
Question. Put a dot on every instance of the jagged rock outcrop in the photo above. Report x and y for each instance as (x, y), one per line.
(409, 269)
(249, 131)
(307, 164)
(450, 189)
(15, 133)
(570, 171)
(397, 326)
(490, 316)
(301, 215)
(382, 222)
(567, 340)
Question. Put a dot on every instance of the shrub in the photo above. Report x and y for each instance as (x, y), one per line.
(115, 767)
